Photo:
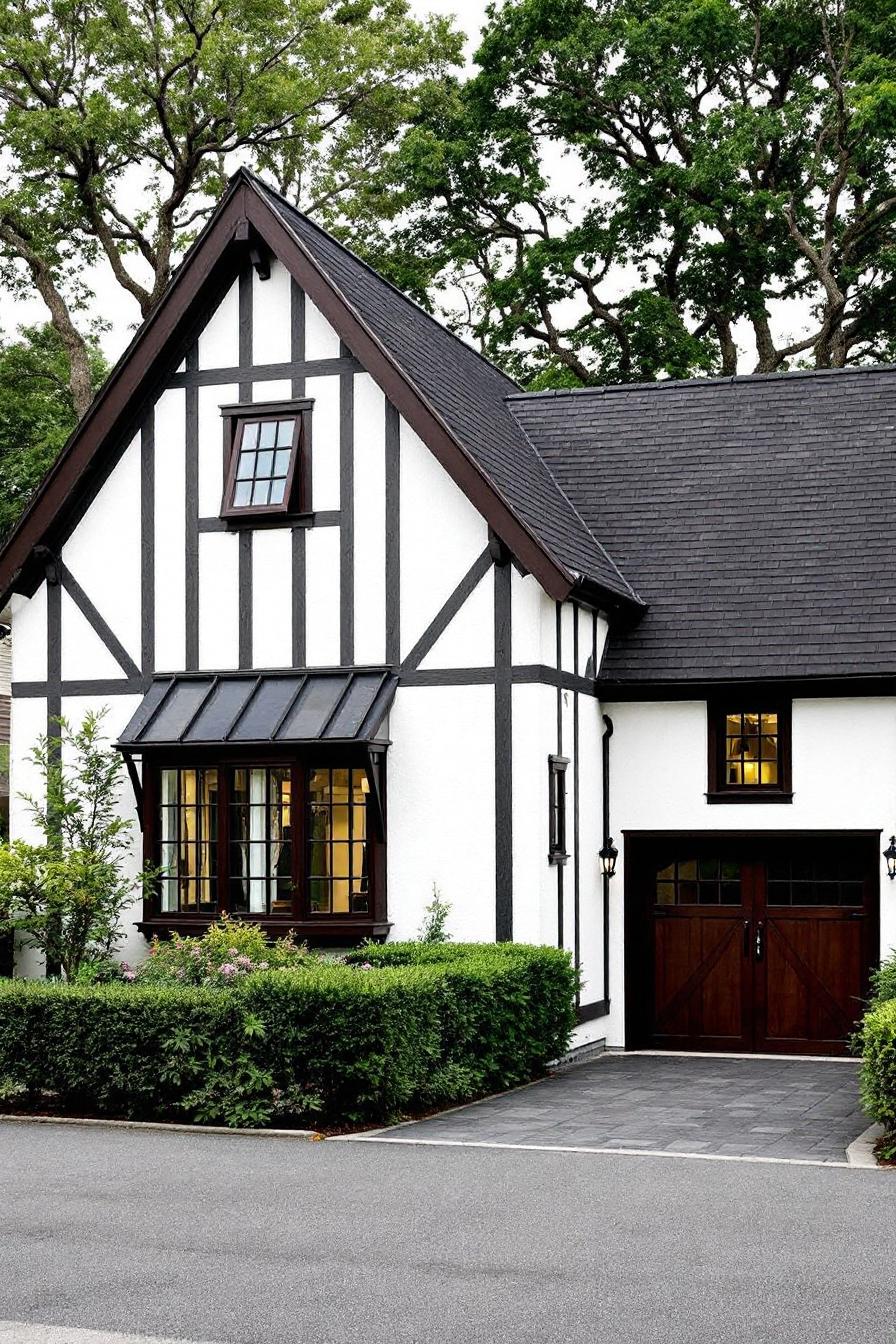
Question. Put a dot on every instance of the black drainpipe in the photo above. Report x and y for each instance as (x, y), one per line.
(605, 751)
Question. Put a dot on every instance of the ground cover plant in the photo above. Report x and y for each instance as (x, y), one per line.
(209, 1031)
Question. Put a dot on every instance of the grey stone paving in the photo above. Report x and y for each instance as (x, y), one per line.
(696, 1104)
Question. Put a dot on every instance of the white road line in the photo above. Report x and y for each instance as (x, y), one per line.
(25, 1332)
(383, 1137)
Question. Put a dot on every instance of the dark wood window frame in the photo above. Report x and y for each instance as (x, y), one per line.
(297, 493)
(719, 790)
(557, 852)
(339, 928)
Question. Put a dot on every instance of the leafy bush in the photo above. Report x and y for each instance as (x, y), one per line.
(883, 980)
(878, 1074)
(227, 952)
(66, 896)
(391, 1029)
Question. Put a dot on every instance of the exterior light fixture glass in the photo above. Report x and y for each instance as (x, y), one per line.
(890, 856)
(608, 854)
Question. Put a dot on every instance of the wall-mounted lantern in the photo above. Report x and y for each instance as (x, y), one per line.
(890, 856)
(608, 854)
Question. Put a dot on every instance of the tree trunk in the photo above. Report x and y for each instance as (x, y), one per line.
(75, 346)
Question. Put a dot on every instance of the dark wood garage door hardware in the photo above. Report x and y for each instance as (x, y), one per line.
(749, 942)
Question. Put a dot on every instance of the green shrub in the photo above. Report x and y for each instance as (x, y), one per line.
(883, 980)
(391, 1029)
(878, 1073)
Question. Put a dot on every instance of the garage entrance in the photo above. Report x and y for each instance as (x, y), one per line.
(749, 942)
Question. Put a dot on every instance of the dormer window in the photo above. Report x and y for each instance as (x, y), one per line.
(266, 460)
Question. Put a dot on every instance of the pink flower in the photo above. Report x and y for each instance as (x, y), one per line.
(129, 974)
(365, 966)
(228, 969)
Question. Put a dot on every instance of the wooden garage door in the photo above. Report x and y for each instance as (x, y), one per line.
(749, 942)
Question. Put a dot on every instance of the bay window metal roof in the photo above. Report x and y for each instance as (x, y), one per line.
(270, 708)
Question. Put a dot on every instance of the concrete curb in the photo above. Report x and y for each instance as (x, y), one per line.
(860, 1152)
(306, 1135)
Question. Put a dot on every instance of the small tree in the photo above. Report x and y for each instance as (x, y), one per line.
(433, 930)
(65, 896)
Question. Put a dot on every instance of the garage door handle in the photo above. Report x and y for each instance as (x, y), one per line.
(746, 937)
(759, 932)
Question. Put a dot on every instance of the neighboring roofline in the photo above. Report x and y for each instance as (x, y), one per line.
(130, 383)
(843, 684)
(665, 384)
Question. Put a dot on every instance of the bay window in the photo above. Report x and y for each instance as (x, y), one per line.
(292, 844)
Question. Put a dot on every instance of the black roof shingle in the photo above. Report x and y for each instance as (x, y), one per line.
(755, 516)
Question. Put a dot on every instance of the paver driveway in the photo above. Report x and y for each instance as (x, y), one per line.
(750, 1107)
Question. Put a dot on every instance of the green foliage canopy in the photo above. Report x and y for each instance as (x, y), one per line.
(37, 413)
(733, 163)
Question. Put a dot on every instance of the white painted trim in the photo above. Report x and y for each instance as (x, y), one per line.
(605, 1152)
(860, 1152)
(722, 1054)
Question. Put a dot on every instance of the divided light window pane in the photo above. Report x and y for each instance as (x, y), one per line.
(262, 469)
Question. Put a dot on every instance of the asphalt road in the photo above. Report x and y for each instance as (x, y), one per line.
(263, 1241)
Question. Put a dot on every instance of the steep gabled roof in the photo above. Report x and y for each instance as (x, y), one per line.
(756, 516)
(469, 394)
(454, 399)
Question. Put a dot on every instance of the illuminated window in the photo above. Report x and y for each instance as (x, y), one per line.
(261, 840)
(749, 751)
(274, 841)
(189, 840)
(338, 879)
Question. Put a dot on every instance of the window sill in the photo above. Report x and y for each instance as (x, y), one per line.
(240, 522)
(323, 932)
(746, 796)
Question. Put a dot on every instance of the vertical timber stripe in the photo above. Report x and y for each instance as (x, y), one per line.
(347, 516)
(297, 356)
(244, 581)
(191, 520)
(575, 797)
(298, 597)
(245, 599)
(503, 757)
(297, 335)
(148, 544)
(393, 536)
(559, 628)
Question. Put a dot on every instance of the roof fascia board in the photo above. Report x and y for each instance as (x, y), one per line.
(126, 385)
(793, 687)
(405, 396)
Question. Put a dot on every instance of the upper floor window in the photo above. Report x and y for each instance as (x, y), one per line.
(749, 751)
(266, 468)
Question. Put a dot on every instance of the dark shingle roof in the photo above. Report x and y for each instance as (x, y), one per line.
(469, 394)
(756, 517)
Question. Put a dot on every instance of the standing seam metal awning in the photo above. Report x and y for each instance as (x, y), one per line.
(250, 709)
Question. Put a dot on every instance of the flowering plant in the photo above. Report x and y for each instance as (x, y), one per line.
(227, 952)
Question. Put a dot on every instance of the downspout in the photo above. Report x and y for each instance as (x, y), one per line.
(605, 752)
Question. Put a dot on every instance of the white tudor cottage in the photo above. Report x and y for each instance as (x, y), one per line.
(369, 619)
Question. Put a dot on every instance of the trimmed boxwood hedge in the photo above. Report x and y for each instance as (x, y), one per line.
(399, 1028)
(878, 1075)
